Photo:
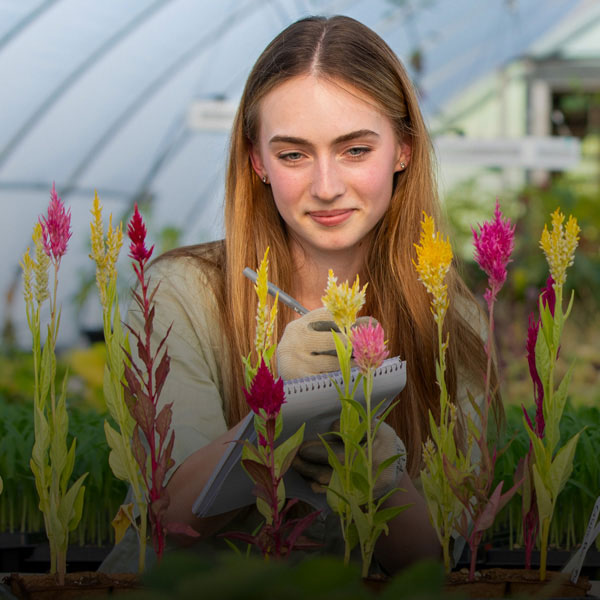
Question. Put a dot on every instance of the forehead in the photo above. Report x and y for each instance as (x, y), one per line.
(311, 106)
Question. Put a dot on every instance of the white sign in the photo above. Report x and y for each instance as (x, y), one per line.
(550, 153)
(211, 115)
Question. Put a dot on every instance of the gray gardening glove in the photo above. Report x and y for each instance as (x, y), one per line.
(312, 461)
(307, 347)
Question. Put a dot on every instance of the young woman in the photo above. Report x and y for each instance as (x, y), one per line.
(330, 166)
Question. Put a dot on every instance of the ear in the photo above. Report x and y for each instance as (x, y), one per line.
(403, 156)
(257, 163)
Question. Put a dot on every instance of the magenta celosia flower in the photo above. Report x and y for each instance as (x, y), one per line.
(548, 299)
(56, 227)
(136, 230)
(265, 392)
(368, 346)
(493, 246)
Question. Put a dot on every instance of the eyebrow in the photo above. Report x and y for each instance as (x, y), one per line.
(347, 137)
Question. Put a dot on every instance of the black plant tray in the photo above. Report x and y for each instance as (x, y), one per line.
(25, 553)
(506, 559)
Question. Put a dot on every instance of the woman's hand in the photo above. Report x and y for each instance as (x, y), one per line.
(307, 347)
(312, 460)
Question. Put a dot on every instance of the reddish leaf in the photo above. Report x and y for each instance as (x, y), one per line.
(287, 461)
(162, 342)
(139, 451)
(486, 518)
(144, 414)
(153, 292)
(161, 373)
(148, 324)
(143, 353)
(129, 399)
(165, 462)
(258, 472)
(182, 529)
(133, 383)
(163, 421)
(298, 527)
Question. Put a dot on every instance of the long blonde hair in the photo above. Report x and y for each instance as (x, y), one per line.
(343, 50)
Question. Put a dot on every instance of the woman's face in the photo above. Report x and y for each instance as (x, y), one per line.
(330, 156)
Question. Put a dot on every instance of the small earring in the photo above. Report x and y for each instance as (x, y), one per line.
(402, 166)
(265, 179)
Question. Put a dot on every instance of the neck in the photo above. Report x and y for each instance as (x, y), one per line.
(311, 272)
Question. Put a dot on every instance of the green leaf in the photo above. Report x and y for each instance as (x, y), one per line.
(117, 459)
(358, 407)
(546, 325)
(77, 509)
(544, 501)
(562, 465)
(285, 452)
(387, 514)
(542, 360)
(265, 510)
(361, 485)
(360, 520)
(560, 396)
(385, 464)
(69, 464)
(539, 450)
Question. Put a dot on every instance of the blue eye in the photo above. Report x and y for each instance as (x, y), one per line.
(291, 156)
(358, 151)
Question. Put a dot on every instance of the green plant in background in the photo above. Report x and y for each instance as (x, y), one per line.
(105, 252)
(19, 509)
(575, 502)
(551, 464)
(51, 463)
(434, 256)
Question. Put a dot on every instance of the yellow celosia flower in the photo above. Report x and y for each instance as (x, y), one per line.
(114, 242)
(104, 253)
(343, 301)
(434, 255)
(559, 245)
(97, 233)
(265, 320)
(40, 266)
(28, 266)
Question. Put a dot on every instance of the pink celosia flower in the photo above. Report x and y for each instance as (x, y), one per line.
(493, 246)
(265, 392)
(368, 346)
(56, 227)
(548, 299)
(136, 230)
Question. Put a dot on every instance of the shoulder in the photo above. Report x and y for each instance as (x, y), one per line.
(185, 285)
(191, 273)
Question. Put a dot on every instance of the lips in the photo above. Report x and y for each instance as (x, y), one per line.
(331, 218)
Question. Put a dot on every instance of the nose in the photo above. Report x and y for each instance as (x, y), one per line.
(327, 182)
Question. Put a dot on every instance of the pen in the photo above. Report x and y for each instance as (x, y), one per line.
(274, 290)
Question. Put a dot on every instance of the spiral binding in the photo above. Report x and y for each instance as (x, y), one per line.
(324, 381)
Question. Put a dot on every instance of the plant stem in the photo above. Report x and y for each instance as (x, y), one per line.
(473, 561)
(368, 550)
(143, 532)
(544, 549)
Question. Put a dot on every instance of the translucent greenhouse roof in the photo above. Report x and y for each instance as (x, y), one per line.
(96, 95)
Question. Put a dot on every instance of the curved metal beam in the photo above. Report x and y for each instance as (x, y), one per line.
(67, 83)
(152, 88)
(44, 187)
(26, 21)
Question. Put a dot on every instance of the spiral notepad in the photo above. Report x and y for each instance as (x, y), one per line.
(312, 400)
